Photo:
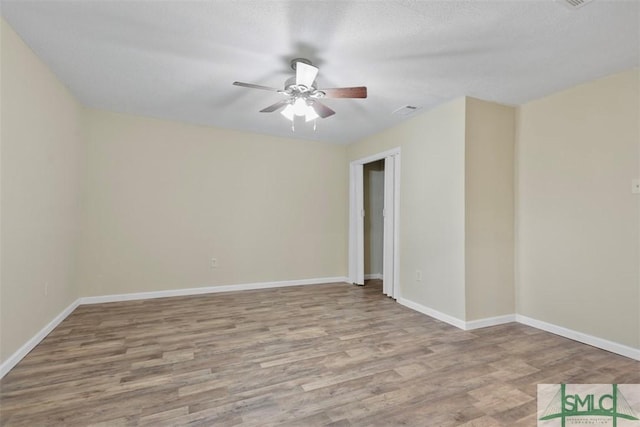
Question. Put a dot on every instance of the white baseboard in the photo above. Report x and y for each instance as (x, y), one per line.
(611, 346)
(489, 321)
(601, 343)
(16, 357)
(373, 276)
(432, 313)
(454, 321)
(209, 290)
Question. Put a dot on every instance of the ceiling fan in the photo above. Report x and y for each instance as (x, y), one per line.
(302, 94)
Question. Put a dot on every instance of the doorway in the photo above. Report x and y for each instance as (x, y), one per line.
(390, 222)
(373, 193)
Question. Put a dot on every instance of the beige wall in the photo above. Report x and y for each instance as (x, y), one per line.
(373, 177)
(577, 221)
(40, 166)
(162, 198)
(489, 209)
(431, 204)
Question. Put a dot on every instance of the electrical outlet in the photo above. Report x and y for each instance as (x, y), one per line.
(418, 275)
(213, 263)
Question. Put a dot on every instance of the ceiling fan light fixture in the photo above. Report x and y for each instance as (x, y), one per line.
(288, 112)
(311, 114)
(300, 107)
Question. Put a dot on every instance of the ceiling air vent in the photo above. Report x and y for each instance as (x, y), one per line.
(406, 110)
(575, 4)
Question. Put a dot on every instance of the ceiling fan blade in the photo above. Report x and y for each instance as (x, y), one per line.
(275, 107)
(305, 74)
(321, 109)
(252, 86)
(345, 92)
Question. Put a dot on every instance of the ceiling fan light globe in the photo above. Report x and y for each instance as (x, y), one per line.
(300, 107)
(311, 114)
(288, 112)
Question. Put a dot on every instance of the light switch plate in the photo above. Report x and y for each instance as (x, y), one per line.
(635, 186)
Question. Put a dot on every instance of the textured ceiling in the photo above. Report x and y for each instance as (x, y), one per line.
(178, 59)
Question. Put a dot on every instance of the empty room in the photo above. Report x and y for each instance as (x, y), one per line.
(320, 213)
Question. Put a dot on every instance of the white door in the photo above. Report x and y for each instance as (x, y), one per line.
(388, 252)
(356, 234)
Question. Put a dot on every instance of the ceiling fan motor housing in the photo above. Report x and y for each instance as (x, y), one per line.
(291, 88)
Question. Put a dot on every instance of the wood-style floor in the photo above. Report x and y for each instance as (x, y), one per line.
(325, 355)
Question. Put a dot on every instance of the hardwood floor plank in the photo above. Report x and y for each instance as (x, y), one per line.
(327, 355)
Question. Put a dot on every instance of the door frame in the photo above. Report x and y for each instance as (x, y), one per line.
(356, 223)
